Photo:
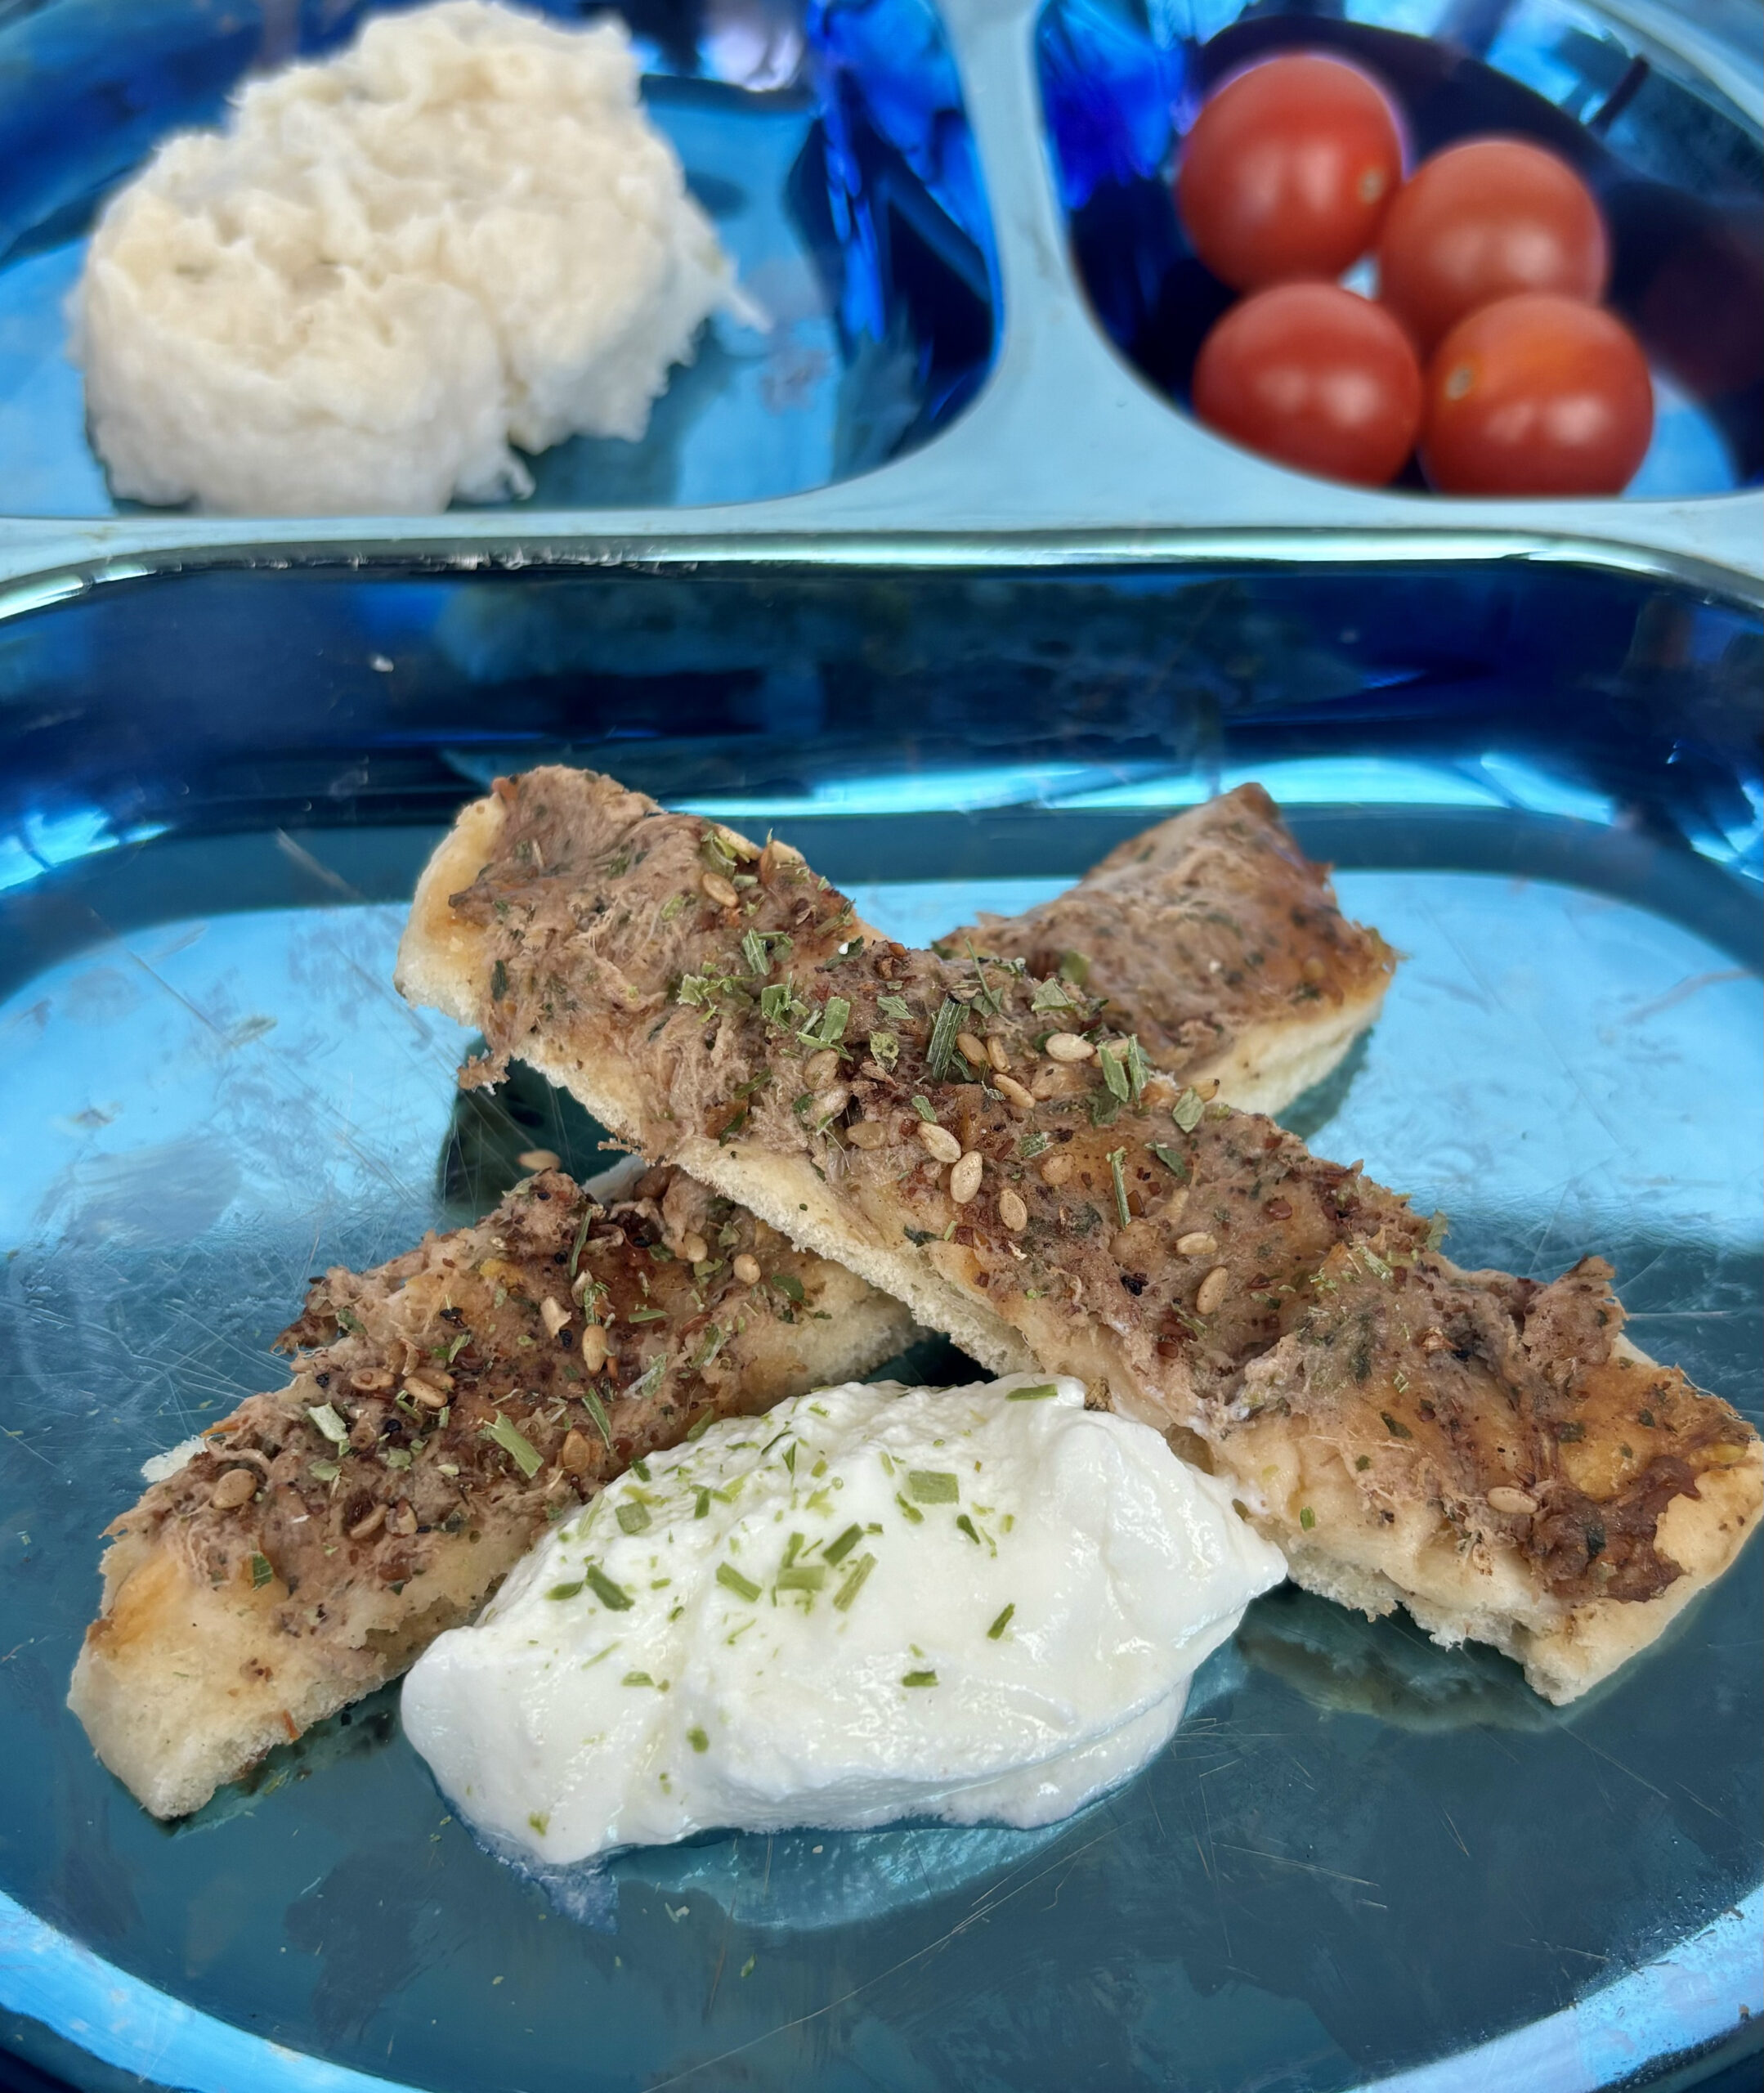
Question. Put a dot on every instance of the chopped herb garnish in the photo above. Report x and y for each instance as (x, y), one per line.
(832, 1028)
(1033, 1144)
(649, 1380)
(754, 951)
(942, 1042)
(632, 1518)
(885, 1048)
(565, 1591)
(933, 1486)
(1114, 1067)
(648, 1316)
(1116, 1159)
(787, 1283)
(1187, 1110)
(1050, 995)
(801, 1577)
(1171, 1160)
(922, 1106)
(1397, 1429)
(261, 1572)
(597, 1410)
(1437, 1226)
(515, 1444)
(919, 1678)
(1362, 1461)
(912, 1511)
(698, 1741)
(325, 1471)
(854, 1582)
(1138, 1068)
(1038, 1394)
(325, 1416)
(966, 1524)
(396, 1457)
(779, 1004)
(499, 982)
(732, 1580)
(612, 1596)
(895, 1007)
(1001, 1624)
(838, 1550)
(1307, 1518)
(637, 1678)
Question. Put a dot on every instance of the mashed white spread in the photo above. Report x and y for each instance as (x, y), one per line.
(462, 231)
(977, 1603)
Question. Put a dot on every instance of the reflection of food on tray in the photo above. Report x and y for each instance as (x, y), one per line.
(990, 1149)
(443, 1408)
(1347, 1666)
(1218, 944)
(461, 233)
(978, 1604)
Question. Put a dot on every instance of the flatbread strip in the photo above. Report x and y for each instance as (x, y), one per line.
(444, 1408)
(1218, 943)
(988, 1148)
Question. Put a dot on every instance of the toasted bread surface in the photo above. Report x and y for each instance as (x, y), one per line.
(443, 1409)
(1218, 943)
(990, 1149)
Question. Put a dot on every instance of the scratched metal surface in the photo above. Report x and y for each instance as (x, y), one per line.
(1358, 1856)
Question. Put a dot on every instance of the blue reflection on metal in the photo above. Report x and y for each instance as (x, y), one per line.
(1679, 176)
(827, 139)
(43, 841)
(1688, 1997)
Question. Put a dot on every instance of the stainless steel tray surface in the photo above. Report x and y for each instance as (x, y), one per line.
(960, 222)
(940, 578)
(1364, 1861)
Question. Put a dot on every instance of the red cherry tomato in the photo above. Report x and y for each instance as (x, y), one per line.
(1311, 375)
(1485, 221)
(1287, 171)
(1537, 395)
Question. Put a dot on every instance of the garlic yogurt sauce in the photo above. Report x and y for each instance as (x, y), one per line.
(978, 1604)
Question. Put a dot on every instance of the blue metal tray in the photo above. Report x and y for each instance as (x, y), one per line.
(1364, 1861)
(953, 255)
(943, 580)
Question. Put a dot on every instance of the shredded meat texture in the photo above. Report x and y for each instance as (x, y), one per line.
(1507, 1403)
(448, 1393)
(1010, 1129)
(1205, 926)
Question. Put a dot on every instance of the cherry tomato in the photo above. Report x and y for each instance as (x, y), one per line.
(1288, 170)
(1537, 395)
(1485, 221)
(1315, 377)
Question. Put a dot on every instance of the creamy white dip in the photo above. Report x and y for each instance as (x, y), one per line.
(461, 231)
(979, 1603)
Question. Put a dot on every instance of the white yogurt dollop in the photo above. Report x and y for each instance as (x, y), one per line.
(979, 1603)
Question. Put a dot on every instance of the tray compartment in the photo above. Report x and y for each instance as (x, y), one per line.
(828, 139)
(1543, 782)
(1678, 169)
